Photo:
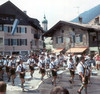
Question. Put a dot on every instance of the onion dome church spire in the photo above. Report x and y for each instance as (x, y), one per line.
(45, 24)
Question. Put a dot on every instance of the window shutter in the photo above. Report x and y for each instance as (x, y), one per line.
(8, 29)
(11, 41)
(11, 29)
(25, 41)
(61, 39)
(81, 38)
(19, 29)
(73, 38)
(20, 42)
(25, 30)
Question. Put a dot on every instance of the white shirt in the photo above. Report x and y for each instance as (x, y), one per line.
(12, 63)
(41, 62)
(80, 68)
(57, 61)
(6, 62)
(70, 65)
(47, 60)
(1, 62)
(19, 67)
(29, 61)
(52, 64)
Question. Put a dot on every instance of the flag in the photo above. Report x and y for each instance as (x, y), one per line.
(16, 22)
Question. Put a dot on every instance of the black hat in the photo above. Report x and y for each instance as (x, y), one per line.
(52, 57)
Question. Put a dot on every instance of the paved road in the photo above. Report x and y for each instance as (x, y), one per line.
(31, 85)
(93, 88)
(36, 86)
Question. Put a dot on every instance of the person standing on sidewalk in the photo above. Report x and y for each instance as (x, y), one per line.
(12, 64)
(53, 67)
(21, 70)
(42, 65)
(71, 67)
(83, 75)
(31, 62)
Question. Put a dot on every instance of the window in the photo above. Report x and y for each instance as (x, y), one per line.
(78, 38)
(62, 31)
(32, 31)
(60, 39)
(1, 41)
(5, 29)
(56, 40)
(23, 42)
(1, 27)
(14, 41)
(23, 30)
(97, 20)
(67, 40)
(7, 41)
(94, 38)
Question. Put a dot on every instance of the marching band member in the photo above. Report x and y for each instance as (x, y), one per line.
(58, 61)
(41, 65)
(1, 68)
(12, 64)
(71, 67)
(6, 62)
(83, 74)
(47, 60)
(31, 62)
(53, 67)
(21, 70)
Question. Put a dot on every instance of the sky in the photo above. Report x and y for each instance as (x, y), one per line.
(55, 10)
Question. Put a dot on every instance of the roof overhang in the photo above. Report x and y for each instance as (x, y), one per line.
(60, 24)
(58, 50)
(77, 50)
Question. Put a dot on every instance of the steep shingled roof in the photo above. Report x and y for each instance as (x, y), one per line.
(10, 9)
(58, 25)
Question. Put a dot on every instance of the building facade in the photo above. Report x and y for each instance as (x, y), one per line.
(28, 35)
(68, 35)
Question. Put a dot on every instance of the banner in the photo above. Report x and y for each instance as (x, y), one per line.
(16, 22)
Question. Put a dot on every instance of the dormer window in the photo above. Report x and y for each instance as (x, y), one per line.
(97, 20)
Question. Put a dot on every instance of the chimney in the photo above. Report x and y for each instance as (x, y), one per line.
(80, 19)
(25, 11)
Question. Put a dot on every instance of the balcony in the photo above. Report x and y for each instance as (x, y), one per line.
(37, 36)
(94, 43)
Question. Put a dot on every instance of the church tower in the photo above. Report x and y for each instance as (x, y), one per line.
(45, 24)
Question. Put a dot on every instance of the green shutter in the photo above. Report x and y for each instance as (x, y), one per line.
(81, 38)
(73, 38)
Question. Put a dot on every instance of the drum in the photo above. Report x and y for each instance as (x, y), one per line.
(94, 73)
(27, 77)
